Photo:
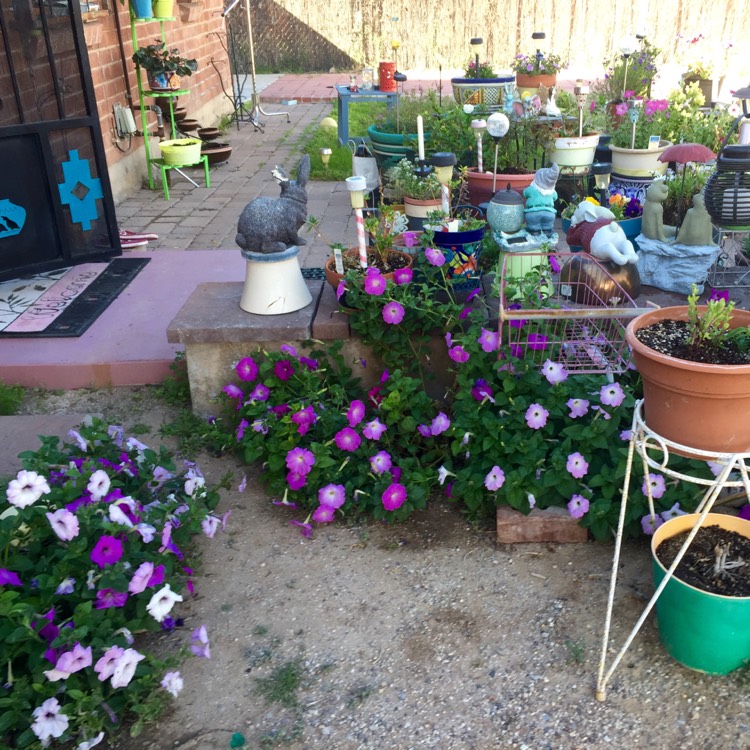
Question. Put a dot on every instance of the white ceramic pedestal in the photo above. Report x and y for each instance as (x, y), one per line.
(273, 283)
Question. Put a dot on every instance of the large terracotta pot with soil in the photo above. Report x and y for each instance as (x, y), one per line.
(695, 404)
(333, 277)
(703, 629)
(480, 184)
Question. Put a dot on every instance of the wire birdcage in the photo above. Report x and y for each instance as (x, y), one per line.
(565, 307)
(732, 266)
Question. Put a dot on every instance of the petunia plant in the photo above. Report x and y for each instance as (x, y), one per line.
(95, 536)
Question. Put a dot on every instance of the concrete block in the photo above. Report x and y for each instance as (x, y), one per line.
(330, 322)
(541, 525)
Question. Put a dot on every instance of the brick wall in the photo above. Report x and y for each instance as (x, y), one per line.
(195, 32)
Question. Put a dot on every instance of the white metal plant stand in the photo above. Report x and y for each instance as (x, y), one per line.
(643, 440)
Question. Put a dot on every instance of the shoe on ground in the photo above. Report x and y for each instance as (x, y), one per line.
(126, 234)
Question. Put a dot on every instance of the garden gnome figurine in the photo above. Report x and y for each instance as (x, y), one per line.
(696, 227)
(540, 201)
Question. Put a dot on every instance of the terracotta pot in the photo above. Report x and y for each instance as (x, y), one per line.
(416, 210)
(525, 82)
(333, 278)
(694, 404)
(480, 185)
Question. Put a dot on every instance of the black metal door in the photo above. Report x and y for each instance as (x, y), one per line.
(56, 205)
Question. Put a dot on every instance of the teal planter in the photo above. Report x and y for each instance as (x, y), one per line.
(389, 148)
(142, 8)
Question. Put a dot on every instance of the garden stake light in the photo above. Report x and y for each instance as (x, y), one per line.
(478, 126)
(357, 186)
(497, 126)
(443, 163)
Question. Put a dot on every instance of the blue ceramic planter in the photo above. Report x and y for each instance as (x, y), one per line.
(142, 8)
(462, 251)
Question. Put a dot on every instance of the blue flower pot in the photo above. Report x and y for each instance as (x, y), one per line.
(462, 251)
(142, 8)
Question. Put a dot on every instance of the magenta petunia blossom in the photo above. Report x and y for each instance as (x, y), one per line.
(304, 528)
(482, 390)
(300, 460)
(458, 354)
(310, 364)
(658, 486)
(283, 369)
(64, 524)
(537, 342)
(380, 462)
(240, 432)
(536, 416)
(578, 407)
(347, 439)
(494, 479)
(106, 598)
(393, 313)
(304, 419)
(554, 264)
(340, 290)
(424, 430)
(232, 390)
(578, 506)
(332, 495)
(375, 282)
(394, 496)
(107, 551)
(489, 340)
(403, 276)
(650, 525)
(374, 430)
(296, 480)
(434, 256)
(247, 369)
(577, 465)
(411, 239)
(440, 424)
(261, 392)
(355, 413)
(554, 372)
(324, 514)
(612, 395)
(9, 578)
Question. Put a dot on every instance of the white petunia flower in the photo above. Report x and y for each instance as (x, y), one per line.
(48, 721)
(162, 602)
(26, 489)
(173, 683)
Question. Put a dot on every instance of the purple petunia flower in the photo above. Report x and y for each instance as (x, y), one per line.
(9, 578)
(375, 282)
(676, 511)
(381, 462)
(494, 479)
(247, 369)
(411, 239)
(394, 496)
(537, 342)
(458, 354)
(232, 390)
(658, 485)
(323, 514)
(296, 480)
(374, 430)
(107, 551)
(536, 416)
(393, 313)
(332, 495)
(283, 369)
(340, 290)
(489, 340)
(67, 586)
(577, 465)
(106, 598)
(434, 256)
(650, 525)
(304, 528)
(261, 392)
(626, 435)
(300, 460)
(241, 429)
(440, 424)
(719, 294)
(310, 364)
(288, 349)
(403, 276)
(612, 395)
(554, 372)
(199, 643)
(347, 439)
(424, 430)
(554, 264)
(482, 390)
(578, 407)
(578, 506)
(356, 413)
(304, 419)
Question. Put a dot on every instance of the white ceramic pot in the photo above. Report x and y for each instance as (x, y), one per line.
(575, 154)
(639, 162)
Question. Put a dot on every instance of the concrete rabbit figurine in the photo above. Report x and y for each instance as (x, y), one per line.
(269, 225)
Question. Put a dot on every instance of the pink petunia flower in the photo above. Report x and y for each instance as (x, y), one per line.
(536, 416)
(578, 407)
(375, 282)
(554, 372)
(458, 354)
(489, 340)
(434, 256)
(355, 413)
(304, 419)
(300, 460)
(393, 313)
(381, 462)
(324, 514)
(332, 495)
(577, 465)
(394, 496)
(578, 506)
(347, 439)
(374, 430)
(440, 424)
(403, 276)
(494, 479)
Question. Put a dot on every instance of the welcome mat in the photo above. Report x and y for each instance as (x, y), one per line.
(63, 303)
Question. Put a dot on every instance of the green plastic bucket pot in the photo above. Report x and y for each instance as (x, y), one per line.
(706, 632)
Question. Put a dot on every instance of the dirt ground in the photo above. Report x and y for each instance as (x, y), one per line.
(423, 635)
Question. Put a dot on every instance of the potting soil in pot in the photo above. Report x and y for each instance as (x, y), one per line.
(710, 562)
(670, 337)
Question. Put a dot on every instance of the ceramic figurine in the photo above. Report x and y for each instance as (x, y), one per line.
(653, 213)
(696, 227)
(540, 201)
(528, 105)
(597, 233)
(550, 108)
(509, 94)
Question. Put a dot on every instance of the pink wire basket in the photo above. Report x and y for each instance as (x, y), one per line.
(565, 307)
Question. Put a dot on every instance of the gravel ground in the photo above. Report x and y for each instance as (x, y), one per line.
(424, 635)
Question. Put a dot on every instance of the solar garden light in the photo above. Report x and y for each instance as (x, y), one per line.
(628, 46)
(497, 126)
(538, 36)
(357, 186)
(476, 44)
(478, 126)
(325, 156)
(581, 92)
(443, 163)
(602, 171)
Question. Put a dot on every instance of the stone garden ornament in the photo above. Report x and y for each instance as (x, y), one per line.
(268, 233)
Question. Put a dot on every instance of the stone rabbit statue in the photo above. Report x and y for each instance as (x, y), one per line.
(271, 225)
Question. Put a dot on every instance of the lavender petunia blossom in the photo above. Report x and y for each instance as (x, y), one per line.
(494, 479)
(64, 524)
(536, 416)
(577, 465)
(578, 506)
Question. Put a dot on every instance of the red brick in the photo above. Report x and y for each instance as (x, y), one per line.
(548, 525)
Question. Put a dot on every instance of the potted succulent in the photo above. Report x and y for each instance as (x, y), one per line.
(695, 365)
(704, 608)
(163, 66)
(480, 85)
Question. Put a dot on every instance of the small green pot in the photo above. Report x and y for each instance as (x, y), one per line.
(706, 632)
